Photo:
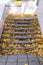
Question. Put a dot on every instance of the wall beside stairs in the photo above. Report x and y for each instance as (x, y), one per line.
(39, 11)
(3, 15)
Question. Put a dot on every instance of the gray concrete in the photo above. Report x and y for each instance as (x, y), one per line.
(3, 14)
(39, 12)
(20, 59)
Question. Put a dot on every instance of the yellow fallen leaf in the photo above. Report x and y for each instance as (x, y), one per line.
(25, 64)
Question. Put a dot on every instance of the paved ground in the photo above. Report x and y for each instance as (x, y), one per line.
(19, 59)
